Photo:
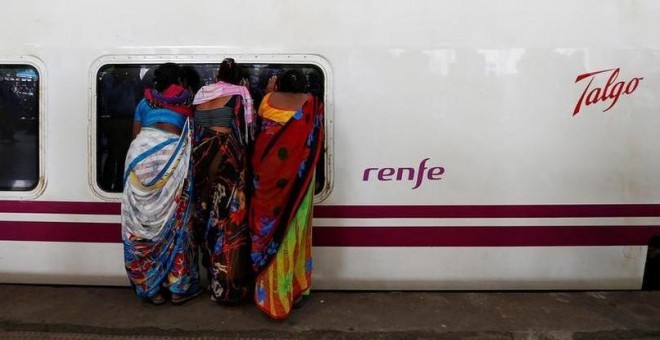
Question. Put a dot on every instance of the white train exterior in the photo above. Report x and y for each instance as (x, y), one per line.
(470, 145)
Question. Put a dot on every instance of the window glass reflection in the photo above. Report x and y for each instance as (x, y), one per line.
(121, 87)
(19, 127)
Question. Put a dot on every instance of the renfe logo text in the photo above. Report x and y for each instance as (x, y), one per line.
(612, 90)
(406, 174)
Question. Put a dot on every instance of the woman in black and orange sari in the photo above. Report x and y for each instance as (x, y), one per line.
(223, 121)
(284, 160)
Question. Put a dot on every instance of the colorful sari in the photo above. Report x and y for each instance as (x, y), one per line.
(220, 165)
(285, 155)
(159, 248)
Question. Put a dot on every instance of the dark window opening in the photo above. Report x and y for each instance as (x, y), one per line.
(19, 127)
(121, 86)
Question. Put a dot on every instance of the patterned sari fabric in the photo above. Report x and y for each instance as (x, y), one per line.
(283, 163)
(159, 248)
(220, 164)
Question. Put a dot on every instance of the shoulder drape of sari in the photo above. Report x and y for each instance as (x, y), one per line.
(219, 89)
(283, 163)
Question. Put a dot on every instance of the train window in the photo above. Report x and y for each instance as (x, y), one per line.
(119, 87)
(19, 127)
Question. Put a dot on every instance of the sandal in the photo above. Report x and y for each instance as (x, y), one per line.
(181, 299)
(157, 299)
(300, 301)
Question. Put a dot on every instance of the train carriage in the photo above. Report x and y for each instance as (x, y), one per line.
(469, 145)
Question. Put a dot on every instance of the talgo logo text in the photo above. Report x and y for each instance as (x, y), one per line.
(610, 93)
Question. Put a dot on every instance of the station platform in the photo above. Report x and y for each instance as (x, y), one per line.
(72, 312)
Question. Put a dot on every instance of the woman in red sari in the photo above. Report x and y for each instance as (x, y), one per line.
(284, 160)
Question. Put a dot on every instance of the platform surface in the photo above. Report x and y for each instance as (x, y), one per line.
(67, 312)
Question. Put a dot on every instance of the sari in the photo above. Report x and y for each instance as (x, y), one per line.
(285, 155)
(159, 248)
(220, 166)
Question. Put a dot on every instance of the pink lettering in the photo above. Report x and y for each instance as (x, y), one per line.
(365, 177)
(385, 172)
(420, 173)
(411, 173)
(436, 171)
(417, 175)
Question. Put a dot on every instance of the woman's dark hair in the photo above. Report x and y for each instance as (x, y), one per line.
(191, 78)
(292, 81)
(230, 72)
(166, 75)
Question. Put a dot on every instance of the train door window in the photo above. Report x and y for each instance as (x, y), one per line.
(119, 88)
(19, 127)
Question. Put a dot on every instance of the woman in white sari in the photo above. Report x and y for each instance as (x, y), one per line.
(159, 250)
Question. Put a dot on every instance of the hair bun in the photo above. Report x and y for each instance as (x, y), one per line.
(229, 62)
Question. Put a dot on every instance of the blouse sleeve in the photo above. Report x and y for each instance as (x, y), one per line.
(139, 109)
